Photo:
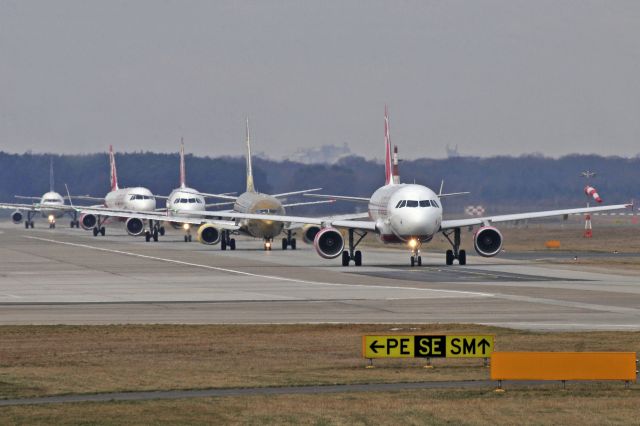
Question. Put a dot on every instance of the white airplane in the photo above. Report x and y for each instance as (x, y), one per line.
(50, 205)
(126, 199)
(399, 213)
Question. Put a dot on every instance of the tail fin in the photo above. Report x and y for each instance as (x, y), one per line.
(387, 146)
(51, 185)
(114, 172)
(250, 187)
(183, 174)
(396, 172)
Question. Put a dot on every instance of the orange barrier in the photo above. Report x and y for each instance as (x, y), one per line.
(563, 366)
(552, 244)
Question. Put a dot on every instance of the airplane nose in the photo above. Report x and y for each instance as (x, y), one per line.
(415, 222)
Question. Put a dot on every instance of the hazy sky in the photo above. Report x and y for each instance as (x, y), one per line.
(493, 77)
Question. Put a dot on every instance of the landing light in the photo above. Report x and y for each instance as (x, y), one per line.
(51, 218)
(267, 244)
(186, 226)
(413, 243)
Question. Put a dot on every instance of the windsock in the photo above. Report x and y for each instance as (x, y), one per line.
(591, 192)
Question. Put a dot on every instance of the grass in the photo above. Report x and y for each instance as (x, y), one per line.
(580, 404)
(50, 360)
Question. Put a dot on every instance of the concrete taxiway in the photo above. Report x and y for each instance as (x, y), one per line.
(66, 276)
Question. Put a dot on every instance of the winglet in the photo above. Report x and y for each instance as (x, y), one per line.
(114, 172)
(250, 186)
(387, 146)
(183, 175)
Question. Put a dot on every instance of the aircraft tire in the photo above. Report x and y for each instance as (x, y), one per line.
(31, 224)
(357, 258)
(155, 235)
(413, 261)
(462, 257)
(223, 244)
(284, 244)
(189, 237)
(186, 239)
(345, 258)
(95, 232)
(232, 244)
(419, 260)
(103, 231)
(449, 257)
(162, 231)
(293, 244)
(26, 224)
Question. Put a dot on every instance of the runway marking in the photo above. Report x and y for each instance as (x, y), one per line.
(250, 274)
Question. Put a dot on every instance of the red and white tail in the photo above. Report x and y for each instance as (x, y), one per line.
(183, 174)
(114, 172)
(387, 146)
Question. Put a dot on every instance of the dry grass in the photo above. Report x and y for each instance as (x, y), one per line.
(580, 404)
(48, 360)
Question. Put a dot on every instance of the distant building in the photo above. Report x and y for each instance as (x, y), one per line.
(325, 154)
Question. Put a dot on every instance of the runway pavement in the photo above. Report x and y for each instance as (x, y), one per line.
(66, 276)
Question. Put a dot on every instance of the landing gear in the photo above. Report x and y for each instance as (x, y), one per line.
(227, 241)
(187, 238)
(75, 222)
(415, 245)
(267, 244)
(352, 253)
(289, 241)
(28, 223)
(161, 230)
(456, 253)
(99, 228)
(52, 225)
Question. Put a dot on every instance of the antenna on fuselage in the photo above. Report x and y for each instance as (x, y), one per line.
(250, 186)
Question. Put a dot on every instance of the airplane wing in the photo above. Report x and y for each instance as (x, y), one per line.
(288, 194)
(220, 196)
(228, 203)
(33, 207)
(23, 197)
(153, 215)
(308, 203)
(340, 197)
(87, 198)
(457, 223)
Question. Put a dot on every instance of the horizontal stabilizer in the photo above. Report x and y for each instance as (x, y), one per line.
(288, 194)
(340, 197)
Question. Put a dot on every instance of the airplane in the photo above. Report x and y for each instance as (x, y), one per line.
(213, 229)
(398, 213)
(128, 199)
(50, 205)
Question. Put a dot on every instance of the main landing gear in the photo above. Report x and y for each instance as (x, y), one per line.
(352, 253)
(456, 253)
(99, 228)
(28, 223)
(288, 241)
(75, 223)
(155, 230)
(227, 241)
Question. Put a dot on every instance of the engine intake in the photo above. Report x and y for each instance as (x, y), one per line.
(209, 234)
(135, 226)
(17, 216)
(329, 243)
(487, 241)
(88, 221)
(309, 233)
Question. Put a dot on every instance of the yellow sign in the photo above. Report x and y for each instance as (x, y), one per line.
(406, 346)
(563, 366)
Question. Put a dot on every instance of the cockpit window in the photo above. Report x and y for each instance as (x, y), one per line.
(192, 200)
(403, 203)
(434, 203)
(398, 205)
(424, 203)
(412, 203)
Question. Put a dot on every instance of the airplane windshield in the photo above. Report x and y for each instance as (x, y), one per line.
(424, 203)
(412, 203)
(434, 204)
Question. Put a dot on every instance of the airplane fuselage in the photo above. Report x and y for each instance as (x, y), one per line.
(405, 211)
(136, 199)
(255, 202)
(51, 199)
(184, 200)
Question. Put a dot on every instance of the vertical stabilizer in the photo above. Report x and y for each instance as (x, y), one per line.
(387, 148)
(51, 182)
(396, 172)
(114, 173)
(250, 187)
(183, 173)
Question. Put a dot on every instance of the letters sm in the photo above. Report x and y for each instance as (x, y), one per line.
(408, 346)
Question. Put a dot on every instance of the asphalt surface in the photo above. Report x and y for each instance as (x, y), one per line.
(66, 276)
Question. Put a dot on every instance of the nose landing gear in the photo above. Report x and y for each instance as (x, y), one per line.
(267, 244)
(456, 253)
(416, 259)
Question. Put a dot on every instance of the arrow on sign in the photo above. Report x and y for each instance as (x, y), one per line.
(375, 347)
(484, 344)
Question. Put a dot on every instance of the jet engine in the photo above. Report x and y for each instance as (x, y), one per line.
(309, 233)
(487, 241)
(209, 234)
(135, 226)
(329, 243)
(88, 221)
(17, 216)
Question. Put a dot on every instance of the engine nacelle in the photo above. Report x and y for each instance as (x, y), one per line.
(134, 226)
(487, 241)
(309, 233)
(329, 243)
(209, 234)
(17, 216)
(88, 221)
